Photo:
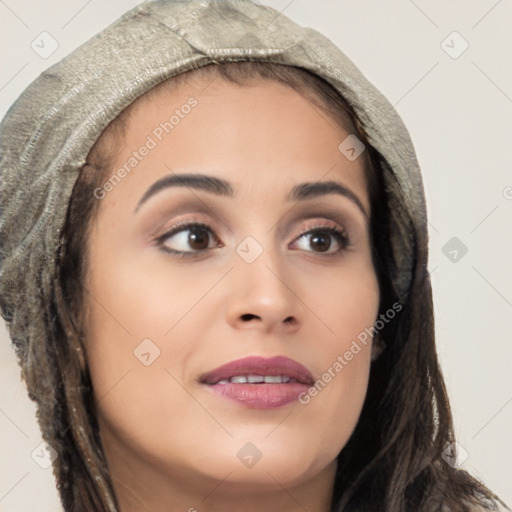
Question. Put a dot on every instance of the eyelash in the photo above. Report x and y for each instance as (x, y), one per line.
(340, 235)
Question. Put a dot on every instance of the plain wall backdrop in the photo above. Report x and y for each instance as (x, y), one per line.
(446, 68)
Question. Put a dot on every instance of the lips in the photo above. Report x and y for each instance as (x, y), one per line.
(259, 383)
(260, 366)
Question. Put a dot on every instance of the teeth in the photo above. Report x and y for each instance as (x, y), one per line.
(276, 379)
(257, 379)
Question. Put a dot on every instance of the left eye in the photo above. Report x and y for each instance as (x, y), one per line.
(321, 239)
(197, 236)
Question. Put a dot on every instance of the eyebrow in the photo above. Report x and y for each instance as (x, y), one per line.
(223, 188)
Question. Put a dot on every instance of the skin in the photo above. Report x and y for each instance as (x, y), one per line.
(171, 444)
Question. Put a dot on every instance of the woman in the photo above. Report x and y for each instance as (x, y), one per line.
(279, 356)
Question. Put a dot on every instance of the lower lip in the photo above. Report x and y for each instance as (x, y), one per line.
(260, 396)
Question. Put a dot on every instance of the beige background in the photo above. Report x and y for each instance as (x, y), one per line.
(459, 113)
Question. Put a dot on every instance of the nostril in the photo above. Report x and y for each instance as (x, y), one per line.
(248, 316)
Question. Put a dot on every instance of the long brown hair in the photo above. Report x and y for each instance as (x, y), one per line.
(392, 462)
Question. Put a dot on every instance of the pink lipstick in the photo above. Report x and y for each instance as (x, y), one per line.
(258, 382)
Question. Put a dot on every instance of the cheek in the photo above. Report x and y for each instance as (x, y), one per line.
(135, 355)
(348, 308)
(345, 301)
(139, 298)
(143, 321)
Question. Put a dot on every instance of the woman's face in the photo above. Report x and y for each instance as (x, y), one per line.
(165, 311)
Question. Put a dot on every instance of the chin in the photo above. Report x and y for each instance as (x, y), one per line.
(261, 463)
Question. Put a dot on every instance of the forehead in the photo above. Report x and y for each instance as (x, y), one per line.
(262, 134)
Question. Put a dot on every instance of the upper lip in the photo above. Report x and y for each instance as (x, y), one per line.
(279, 365)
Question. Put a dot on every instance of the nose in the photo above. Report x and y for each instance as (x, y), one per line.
(263, 297)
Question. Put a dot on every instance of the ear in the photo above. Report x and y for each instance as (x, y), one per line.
(378, 346)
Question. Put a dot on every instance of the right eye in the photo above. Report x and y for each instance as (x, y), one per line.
(194, 235)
